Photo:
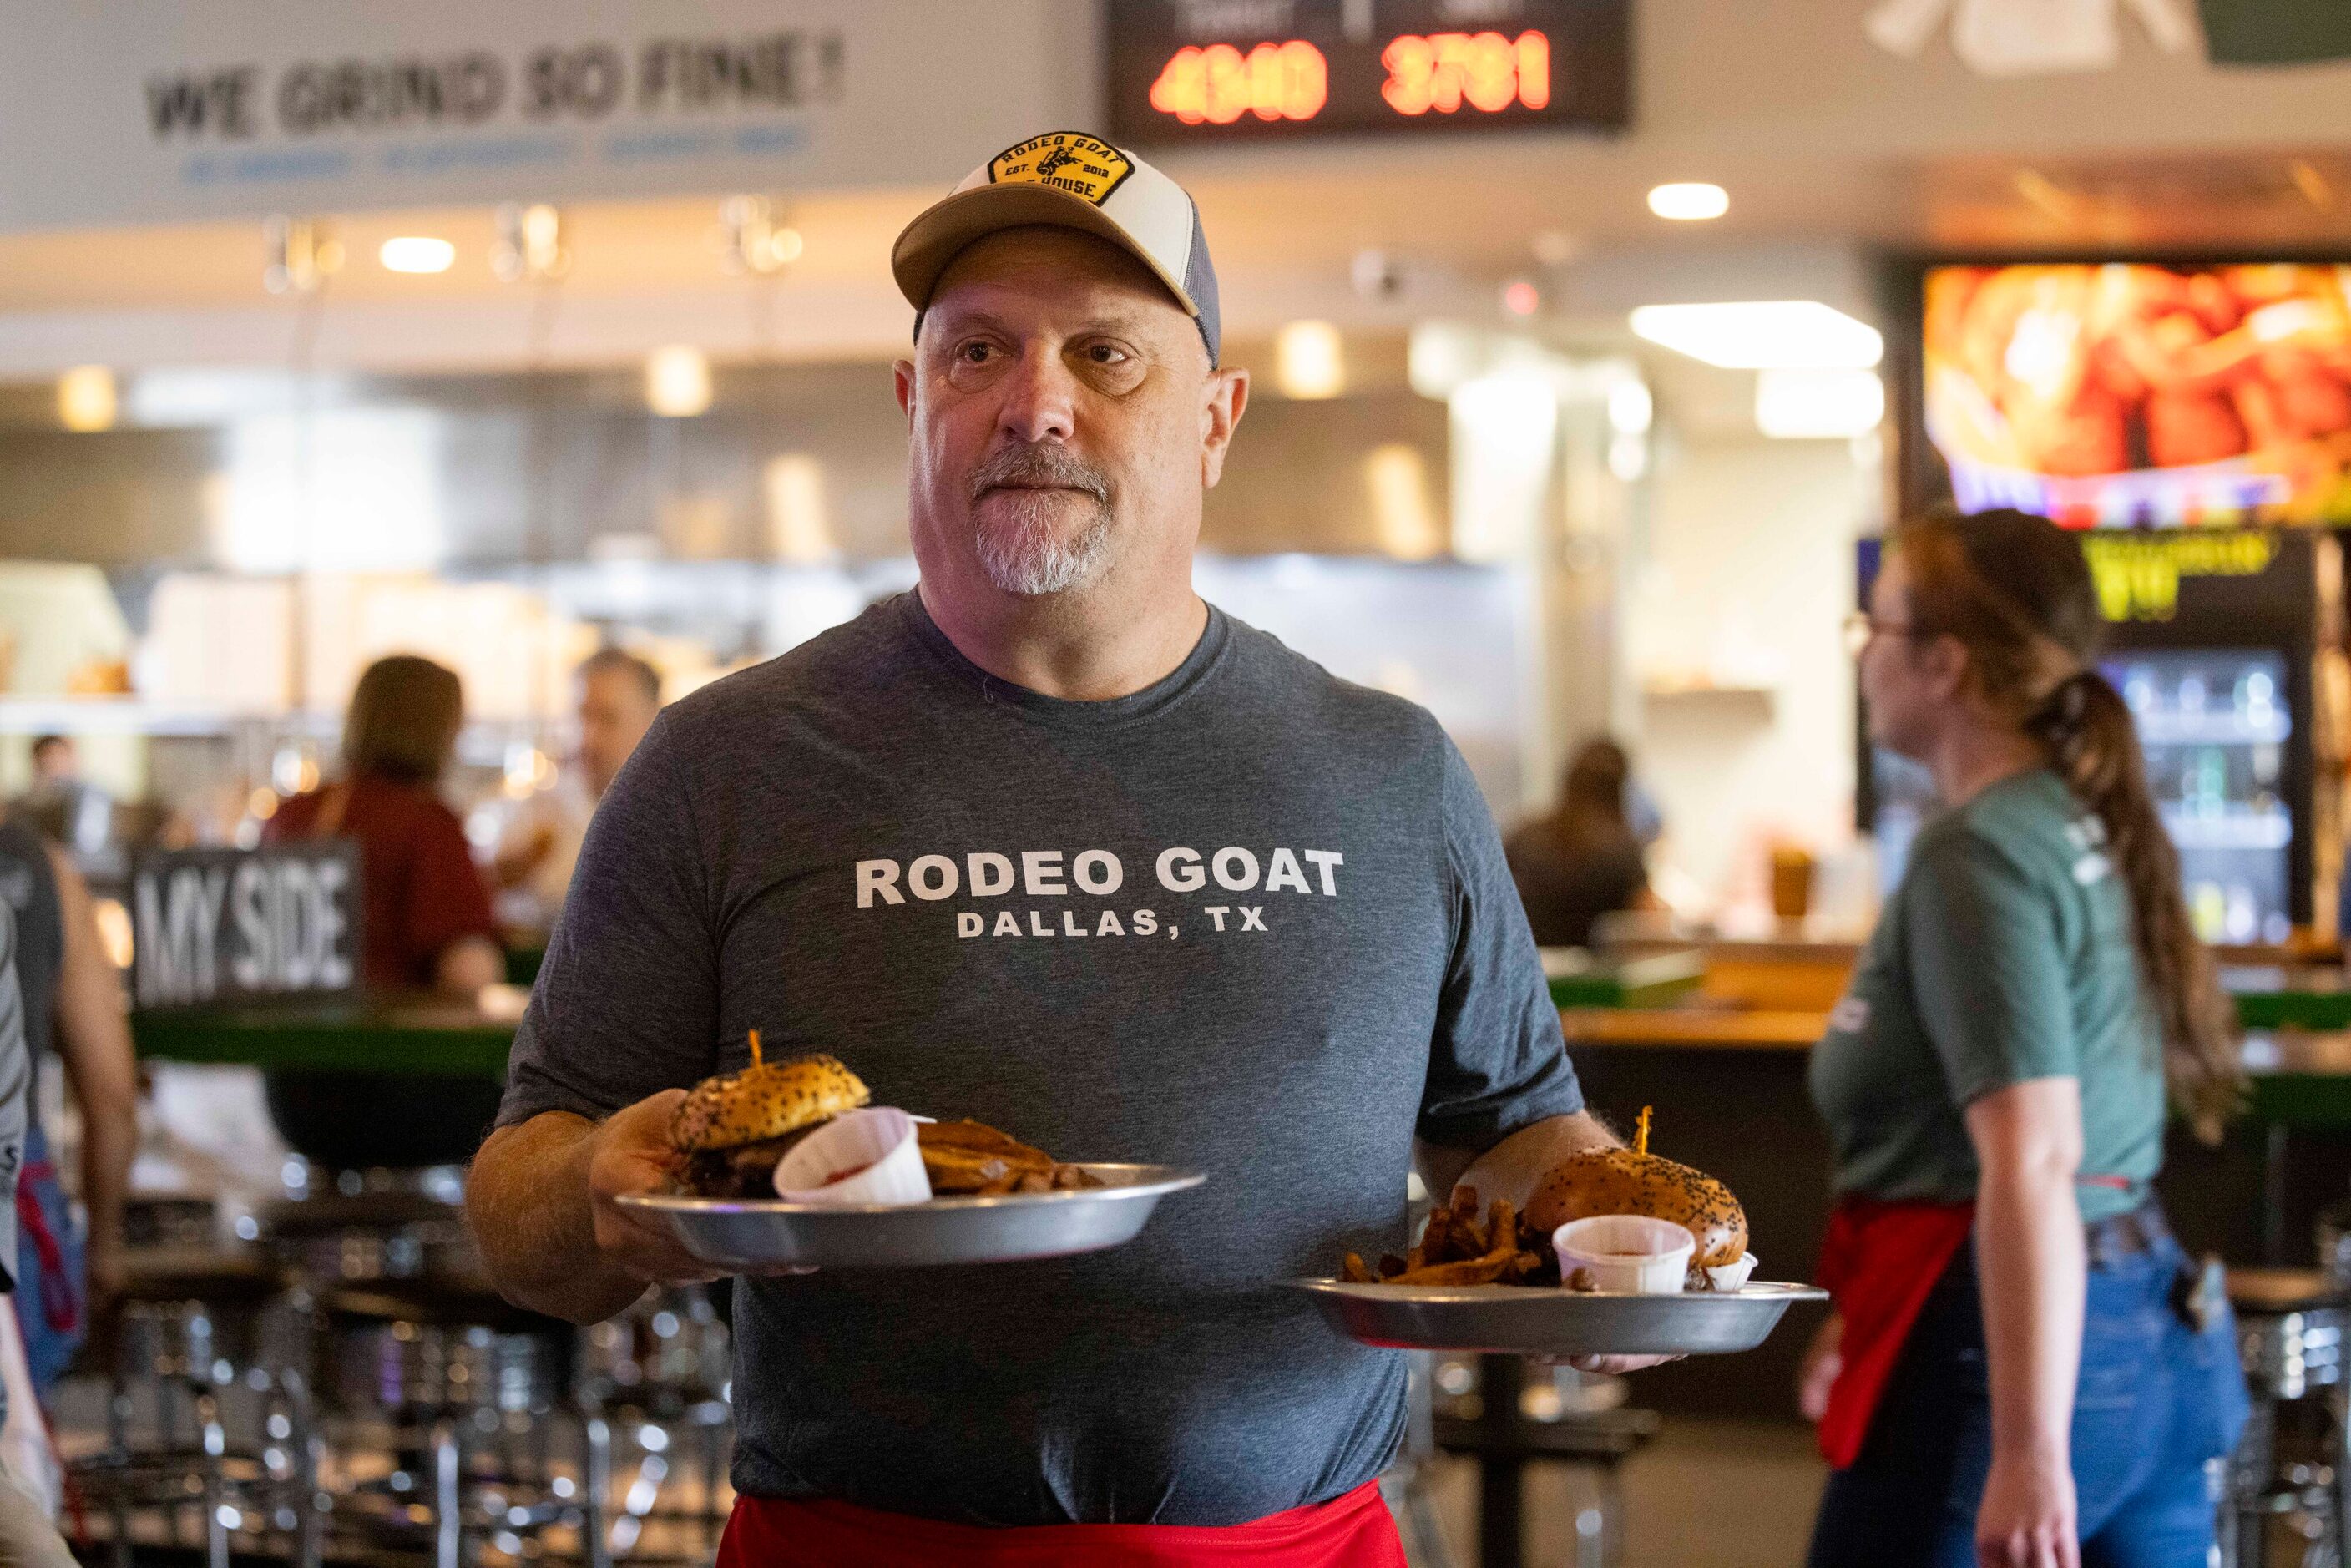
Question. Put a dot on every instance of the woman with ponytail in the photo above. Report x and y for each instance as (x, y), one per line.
(2025, 1368)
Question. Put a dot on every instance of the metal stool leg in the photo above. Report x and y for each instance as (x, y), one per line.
(2224, 1512)
(448, 1497)
(118, 1448)
(2250, 1475)
(595, 1509)
(213, 1437)
(1590, 1524)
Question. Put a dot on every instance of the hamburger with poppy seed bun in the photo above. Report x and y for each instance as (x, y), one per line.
(1633, 1181)
(734, 1128)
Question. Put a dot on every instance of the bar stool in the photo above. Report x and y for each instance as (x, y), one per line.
(2290, 1331)
(194, 1326)
(468, 1387)
(657, 1377)
(1495, 1415)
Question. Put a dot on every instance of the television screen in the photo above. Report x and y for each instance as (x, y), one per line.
(2122, 394)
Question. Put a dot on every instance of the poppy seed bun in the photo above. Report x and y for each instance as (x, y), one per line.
(766, 1099)
(1619, 1181)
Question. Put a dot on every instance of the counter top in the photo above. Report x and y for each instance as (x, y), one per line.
(1737, 1029)
(418, 1038)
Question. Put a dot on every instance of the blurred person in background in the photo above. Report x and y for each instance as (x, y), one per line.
(27, 1539)
(426, 924)
(60, 802)
(1583, 859)
(72, 1005)
(2023, 1366)
(618, 696)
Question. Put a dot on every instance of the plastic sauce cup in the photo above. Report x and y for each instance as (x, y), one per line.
(1731, 1276)
(1625, 1253)
(862, 1157)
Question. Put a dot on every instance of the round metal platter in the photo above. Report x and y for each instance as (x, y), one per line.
(1537, 1321)
(769, 1235)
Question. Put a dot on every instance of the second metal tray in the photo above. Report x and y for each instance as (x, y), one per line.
(1538, 1321)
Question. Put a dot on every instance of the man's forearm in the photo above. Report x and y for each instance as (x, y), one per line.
(528, 1199)
(1511, 1168)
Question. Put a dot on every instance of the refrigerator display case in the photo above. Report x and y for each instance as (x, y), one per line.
(2216, 724)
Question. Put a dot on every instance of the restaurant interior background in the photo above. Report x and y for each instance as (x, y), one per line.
(292, 374)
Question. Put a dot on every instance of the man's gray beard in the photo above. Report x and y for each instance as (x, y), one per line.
(1024, 553)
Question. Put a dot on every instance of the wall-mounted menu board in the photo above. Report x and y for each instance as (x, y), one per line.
(1229, 70)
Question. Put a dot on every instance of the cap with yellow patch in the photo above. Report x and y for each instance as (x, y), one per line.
(1069, 179)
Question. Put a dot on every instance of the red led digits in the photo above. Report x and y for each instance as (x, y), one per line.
(1219, 84)
(1485, 70)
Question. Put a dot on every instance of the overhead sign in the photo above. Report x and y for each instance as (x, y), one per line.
(214, 109)
(211, 927)
(1219, 70)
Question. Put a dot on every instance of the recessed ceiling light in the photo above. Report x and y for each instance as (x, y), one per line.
(417, 253)
(1764, 334)
(1689, 200)
(677, 381)
(86, 400)
(1310, 359)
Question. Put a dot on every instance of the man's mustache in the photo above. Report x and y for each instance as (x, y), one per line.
(1038, 465)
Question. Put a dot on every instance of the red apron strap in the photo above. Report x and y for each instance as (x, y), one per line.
(60, 1297)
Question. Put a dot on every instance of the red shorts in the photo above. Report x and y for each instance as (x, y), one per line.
(1350, 1531)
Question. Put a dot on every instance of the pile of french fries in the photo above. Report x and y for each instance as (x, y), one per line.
(1456, 1249)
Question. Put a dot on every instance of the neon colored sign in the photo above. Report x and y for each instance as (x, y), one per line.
(2139, 574)
(1219, 84)
(1486, 71)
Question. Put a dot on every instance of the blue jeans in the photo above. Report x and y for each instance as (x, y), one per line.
(2155, 1401)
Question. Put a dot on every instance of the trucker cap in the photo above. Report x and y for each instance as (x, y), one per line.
(1070, 180)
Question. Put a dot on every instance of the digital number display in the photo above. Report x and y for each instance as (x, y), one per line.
(1184, 70)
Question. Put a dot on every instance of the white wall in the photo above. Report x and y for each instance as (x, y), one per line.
(1748, 565)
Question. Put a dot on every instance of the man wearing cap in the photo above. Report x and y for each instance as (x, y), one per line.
(1051, 844)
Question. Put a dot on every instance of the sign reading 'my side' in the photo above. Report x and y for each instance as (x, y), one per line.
(211, 927)
(114, 112)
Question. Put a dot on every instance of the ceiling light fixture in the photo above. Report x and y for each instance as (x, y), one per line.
(1767, 334)
(677, 381)
(86, 400)
(417, 253)
(1689, 201)
(1310, 359)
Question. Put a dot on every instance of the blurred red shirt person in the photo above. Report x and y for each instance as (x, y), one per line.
(425, 909)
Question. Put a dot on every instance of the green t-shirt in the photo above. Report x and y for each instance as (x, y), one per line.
(2005, 955)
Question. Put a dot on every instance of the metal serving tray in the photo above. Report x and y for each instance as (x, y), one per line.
(769, 1235)
(1546, 1320)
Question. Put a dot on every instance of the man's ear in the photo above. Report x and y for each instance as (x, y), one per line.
(902, 373)
(1223, 397)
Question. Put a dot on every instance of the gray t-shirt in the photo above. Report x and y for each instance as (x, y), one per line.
(1253, 919)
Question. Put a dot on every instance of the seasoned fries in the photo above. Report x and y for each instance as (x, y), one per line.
(1457, 1249)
